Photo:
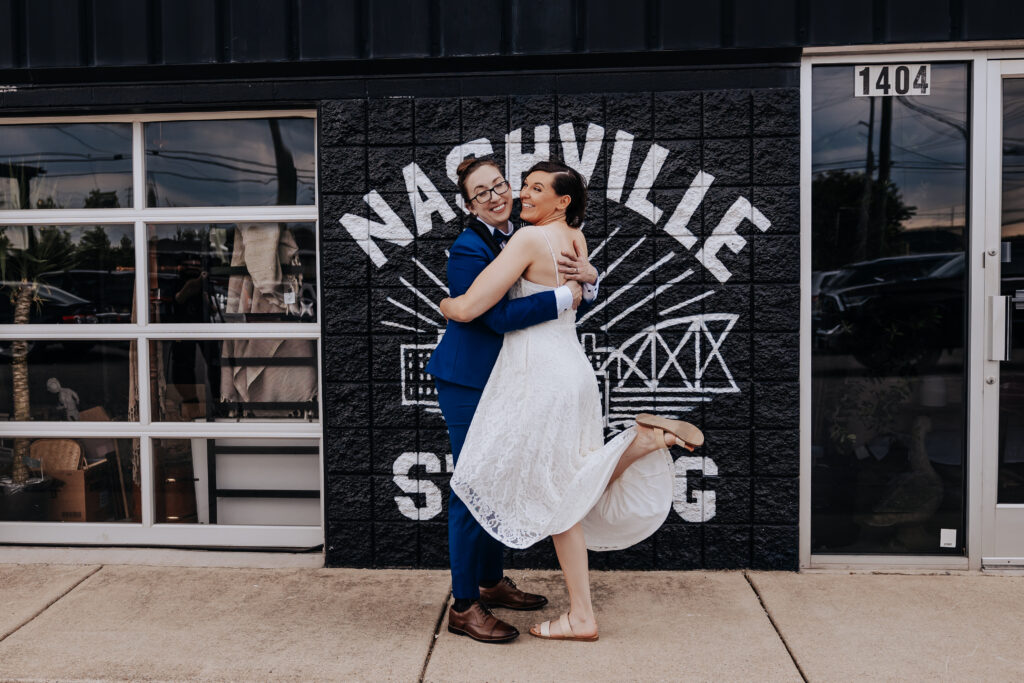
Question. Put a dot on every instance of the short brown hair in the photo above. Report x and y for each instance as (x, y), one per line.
(469, 165)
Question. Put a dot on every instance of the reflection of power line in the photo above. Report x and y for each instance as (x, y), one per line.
(230, 167)
(937, 169)
(932, 114)
(170, 152)
(261, 181)
(64, 131)
(78, 158)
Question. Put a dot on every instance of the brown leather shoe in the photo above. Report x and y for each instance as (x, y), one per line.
(478, 623)
(505, 594)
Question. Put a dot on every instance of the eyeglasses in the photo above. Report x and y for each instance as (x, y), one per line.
(485, 196)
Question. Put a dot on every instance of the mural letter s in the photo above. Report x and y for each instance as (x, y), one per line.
(407, 504)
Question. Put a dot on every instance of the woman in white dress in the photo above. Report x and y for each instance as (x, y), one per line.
(534, 463)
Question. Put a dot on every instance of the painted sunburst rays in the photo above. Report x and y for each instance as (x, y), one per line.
(673, 364)
(406, 315)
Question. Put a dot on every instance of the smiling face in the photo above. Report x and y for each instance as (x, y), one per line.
(541, 204)
(496, 208)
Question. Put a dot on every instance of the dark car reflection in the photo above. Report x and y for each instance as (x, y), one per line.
(110, 291)
(52, 306)
(895, 313)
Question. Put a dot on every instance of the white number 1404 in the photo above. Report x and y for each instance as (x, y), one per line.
(888, 80)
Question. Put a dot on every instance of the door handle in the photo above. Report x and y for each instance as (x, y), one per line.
(1000, 317)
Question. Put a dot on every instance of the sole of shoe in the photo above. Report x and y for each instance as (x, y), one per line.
(460, 632)
(683, 430)
(494, 605)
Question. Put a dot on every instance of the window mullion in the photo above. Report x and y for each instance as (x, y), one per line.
(138, 167)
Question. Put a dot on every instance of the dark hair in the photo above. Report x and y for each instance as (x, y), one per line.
(467, 166)
(566, 181)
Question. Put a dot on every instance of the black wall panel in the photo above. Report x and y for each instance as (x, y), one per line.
(9, 28)
(908, 21)
(260, 30)
(330, 29)
(765, 24)
(189, 32)
(542, 27)
(472, 27)
(610, 27)
(120, 32)
(845, 21)
(55, 33)
(71, 33)
(686, 26)
(400, 29)
(983, 20)
(386, 444)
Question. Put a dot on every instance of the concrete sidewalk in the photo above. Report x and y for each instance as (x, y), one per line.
(112, 622)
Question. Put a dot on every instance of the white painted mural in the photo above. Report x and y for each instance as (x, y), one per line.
(670, 366)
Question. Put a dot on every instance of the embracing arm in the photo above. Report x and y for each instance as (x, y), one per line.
(508, 315)
(491, 285)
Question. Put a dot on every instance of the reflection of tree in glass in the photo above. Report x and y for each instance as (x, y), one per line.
(20, 270)
(99, 199)
(95, 250)
(838, 202)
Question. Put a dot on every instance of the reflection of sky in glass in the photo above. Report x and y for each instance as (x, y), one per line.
(227, 163)
(1013, 157)
(929, 139)
(64, 163)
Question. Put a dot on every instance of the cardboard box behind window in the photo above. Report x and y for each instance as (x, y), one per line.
(84, 491)
(85, 495)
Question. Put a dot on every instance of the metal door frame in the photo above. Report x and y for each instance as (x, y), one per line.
(987, 68)
(992, 513)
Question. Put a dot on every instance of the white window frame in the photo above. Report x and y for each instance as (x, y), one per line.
(142, 332)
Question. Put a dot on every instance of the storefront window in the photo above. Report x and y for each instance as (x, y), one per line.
(889, 233)
(237, 481)
(70, 480)
(227, 273)
(234, 380)
(68, 380)
(66, 166)
(103, 343)
(67, 274)
(244, 162)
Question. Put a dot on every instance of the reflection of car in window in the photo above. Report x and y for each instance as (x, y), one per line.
(52, 306)
(894, 312)
(111, 291)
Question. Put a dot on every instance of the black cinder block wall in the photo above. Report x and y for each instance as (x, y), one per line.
(692, 219)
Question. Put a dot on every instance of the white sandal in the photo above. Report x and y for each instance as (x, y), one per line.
(566, 634)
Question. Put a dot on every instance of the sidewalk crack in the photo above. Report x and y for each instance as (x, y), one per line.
(437, 633)
(76, 584)
(775, 626)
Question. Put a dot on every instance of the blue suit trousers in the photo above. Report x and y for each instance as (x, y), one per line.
(475, 555)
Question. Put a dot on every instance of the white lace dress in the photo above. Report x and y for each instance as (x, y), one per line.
(534, 461)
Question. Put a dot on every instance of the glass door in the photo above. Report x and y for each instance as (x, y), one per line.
(889, 233)
(1004, 376)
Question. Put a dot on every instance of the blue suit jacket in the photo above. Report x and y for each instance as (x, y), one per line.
(467, 352)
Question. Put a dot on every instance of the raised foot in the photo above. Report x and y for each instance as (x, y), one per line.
(563, 630)
(685, 433)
